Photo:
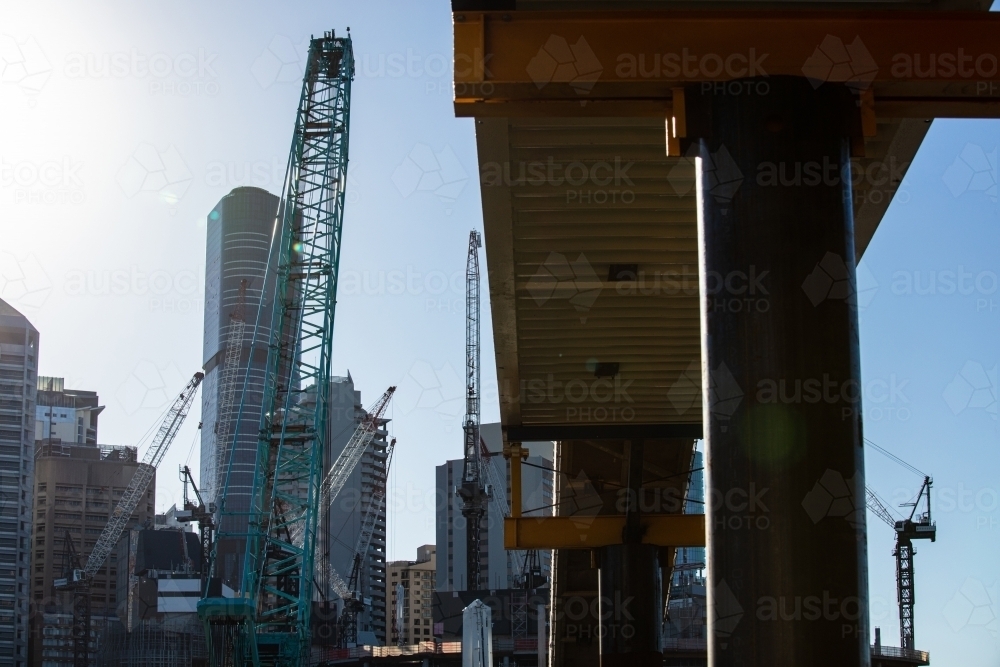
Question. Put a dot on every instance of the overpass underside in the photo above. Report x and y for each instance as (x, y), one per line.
(597, 274)
(661, 270)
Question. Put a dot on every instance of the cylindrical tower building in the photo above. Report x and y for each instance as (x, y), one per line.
(238, 244)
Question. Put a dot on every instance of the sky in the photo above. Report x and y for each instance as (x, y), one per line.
(124, 124)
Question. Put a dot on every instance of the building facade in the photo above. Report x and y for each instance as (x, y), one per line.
(500, 568)
(18, 379)
(67, 415)
(416, 579)
(238, 246)
(343, 521)
(76, 489)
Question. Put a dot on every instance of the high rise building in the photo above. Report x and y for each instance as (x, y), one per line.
(343, 525)
(67, 415)
(238, 245)
(498, 566)
(77, 486)
(417, 579)
(18, 377)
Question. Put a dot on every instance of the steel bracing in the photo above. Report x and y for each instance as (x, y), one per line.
(269, 623)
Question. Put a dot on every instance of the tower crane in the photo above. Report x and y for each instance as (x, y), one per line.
(77, 579)
(913, 527)
(268, 624)
(472, 491)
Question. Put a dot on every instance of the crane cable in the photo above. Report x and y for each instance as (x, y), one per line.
(896, 459)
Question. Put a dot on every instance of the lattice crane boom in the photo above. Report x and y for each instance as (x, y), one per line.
(879, 509)
(471, 491)
(355, 448)
(353, 601)
(144, 474)
(269, 624)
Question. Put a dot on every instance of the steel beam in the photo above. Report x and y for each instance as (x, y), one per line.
(588, 532)
(917, 64)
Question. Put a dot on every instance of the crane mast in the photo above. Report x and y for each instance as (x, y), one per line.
(913, 527)
(269, 623)
(472, 492)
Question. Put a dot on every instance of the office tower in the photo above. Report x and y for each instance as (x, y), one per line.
(18, 372)
(499, 569)
(238, 244)
(417, 577)
(77, 486)
(67, 415)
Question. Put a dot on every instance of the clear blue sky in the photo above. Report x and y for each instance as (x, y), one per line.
(108, 262)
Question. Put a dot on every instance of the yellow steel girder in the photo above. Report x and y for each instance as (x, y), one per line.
(916, 64)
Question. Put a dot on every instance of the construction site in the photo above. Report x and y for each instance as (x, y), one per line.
(669, 466)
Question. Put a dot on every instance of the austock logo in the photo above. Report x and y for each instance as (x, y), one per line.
(558, 278)
(725, 394)
(726, 612)
(834, 496)
(561, 62)
(835, 61)
(23, 63)
(281, 61)
(23, 281)
(974, 387)
(423, 170)
(721, 173)
(149, 386)
(151, 170)
(974, 170)
(427, 388)
(830, 280)
(975, 605)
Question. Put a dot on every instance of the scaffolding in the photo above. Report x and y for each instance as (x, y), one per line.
(172, 642)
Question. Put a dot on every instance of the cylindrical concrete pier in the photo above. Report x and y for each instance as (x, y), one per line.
(785, 470)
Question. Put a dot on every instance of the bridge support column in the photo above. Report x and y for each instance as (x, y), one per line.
(631, 604)
(781, 374)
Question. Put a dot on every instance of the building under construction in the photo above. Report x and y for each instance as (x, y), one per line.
(158, 587)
